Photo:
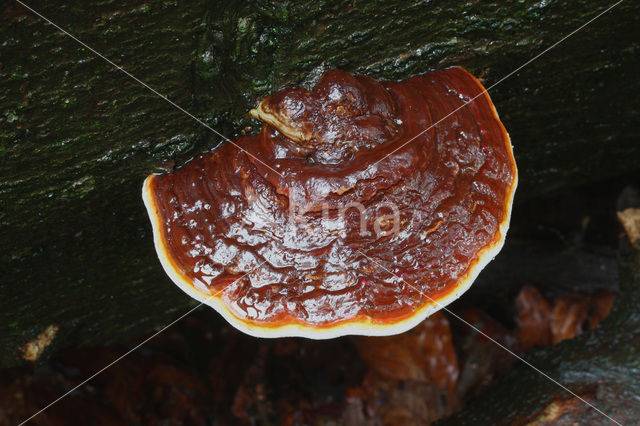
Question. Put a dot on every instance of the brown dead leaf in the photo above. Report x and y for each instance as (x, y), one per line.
(568, 315)
(630, 221)
(381, 401)
(541, 322)
(534, 317)
(423, 354)
(601, 307)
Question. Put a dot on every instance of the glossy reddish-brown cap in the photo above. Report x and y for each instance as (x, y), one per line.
(360, 208)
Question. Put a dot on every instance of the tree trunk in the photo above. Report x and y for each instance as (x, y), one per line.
(78, 136)
(600, 366)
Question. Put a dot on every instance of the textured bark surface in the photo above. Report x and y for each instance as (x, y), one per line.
(77, 136)
(600, 366)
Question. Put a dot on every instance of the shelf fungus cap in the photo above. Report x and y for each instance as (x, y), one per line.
(360, 208)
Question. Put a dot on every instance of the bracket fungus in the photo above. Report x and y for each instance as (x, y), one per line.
(360, 208)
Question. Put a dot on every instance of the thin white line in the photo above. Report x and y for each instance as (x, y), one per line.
(501, 80)
(444, 308)
(136, 347)
(119, 68)
(112, 363)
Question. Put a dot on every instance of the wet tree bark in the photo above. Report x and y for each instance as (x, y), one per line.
(600, 367)
(78, 136)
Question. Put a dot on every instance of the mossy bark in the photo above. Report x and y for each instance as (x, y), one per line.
(77, 136)
(600, 366)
